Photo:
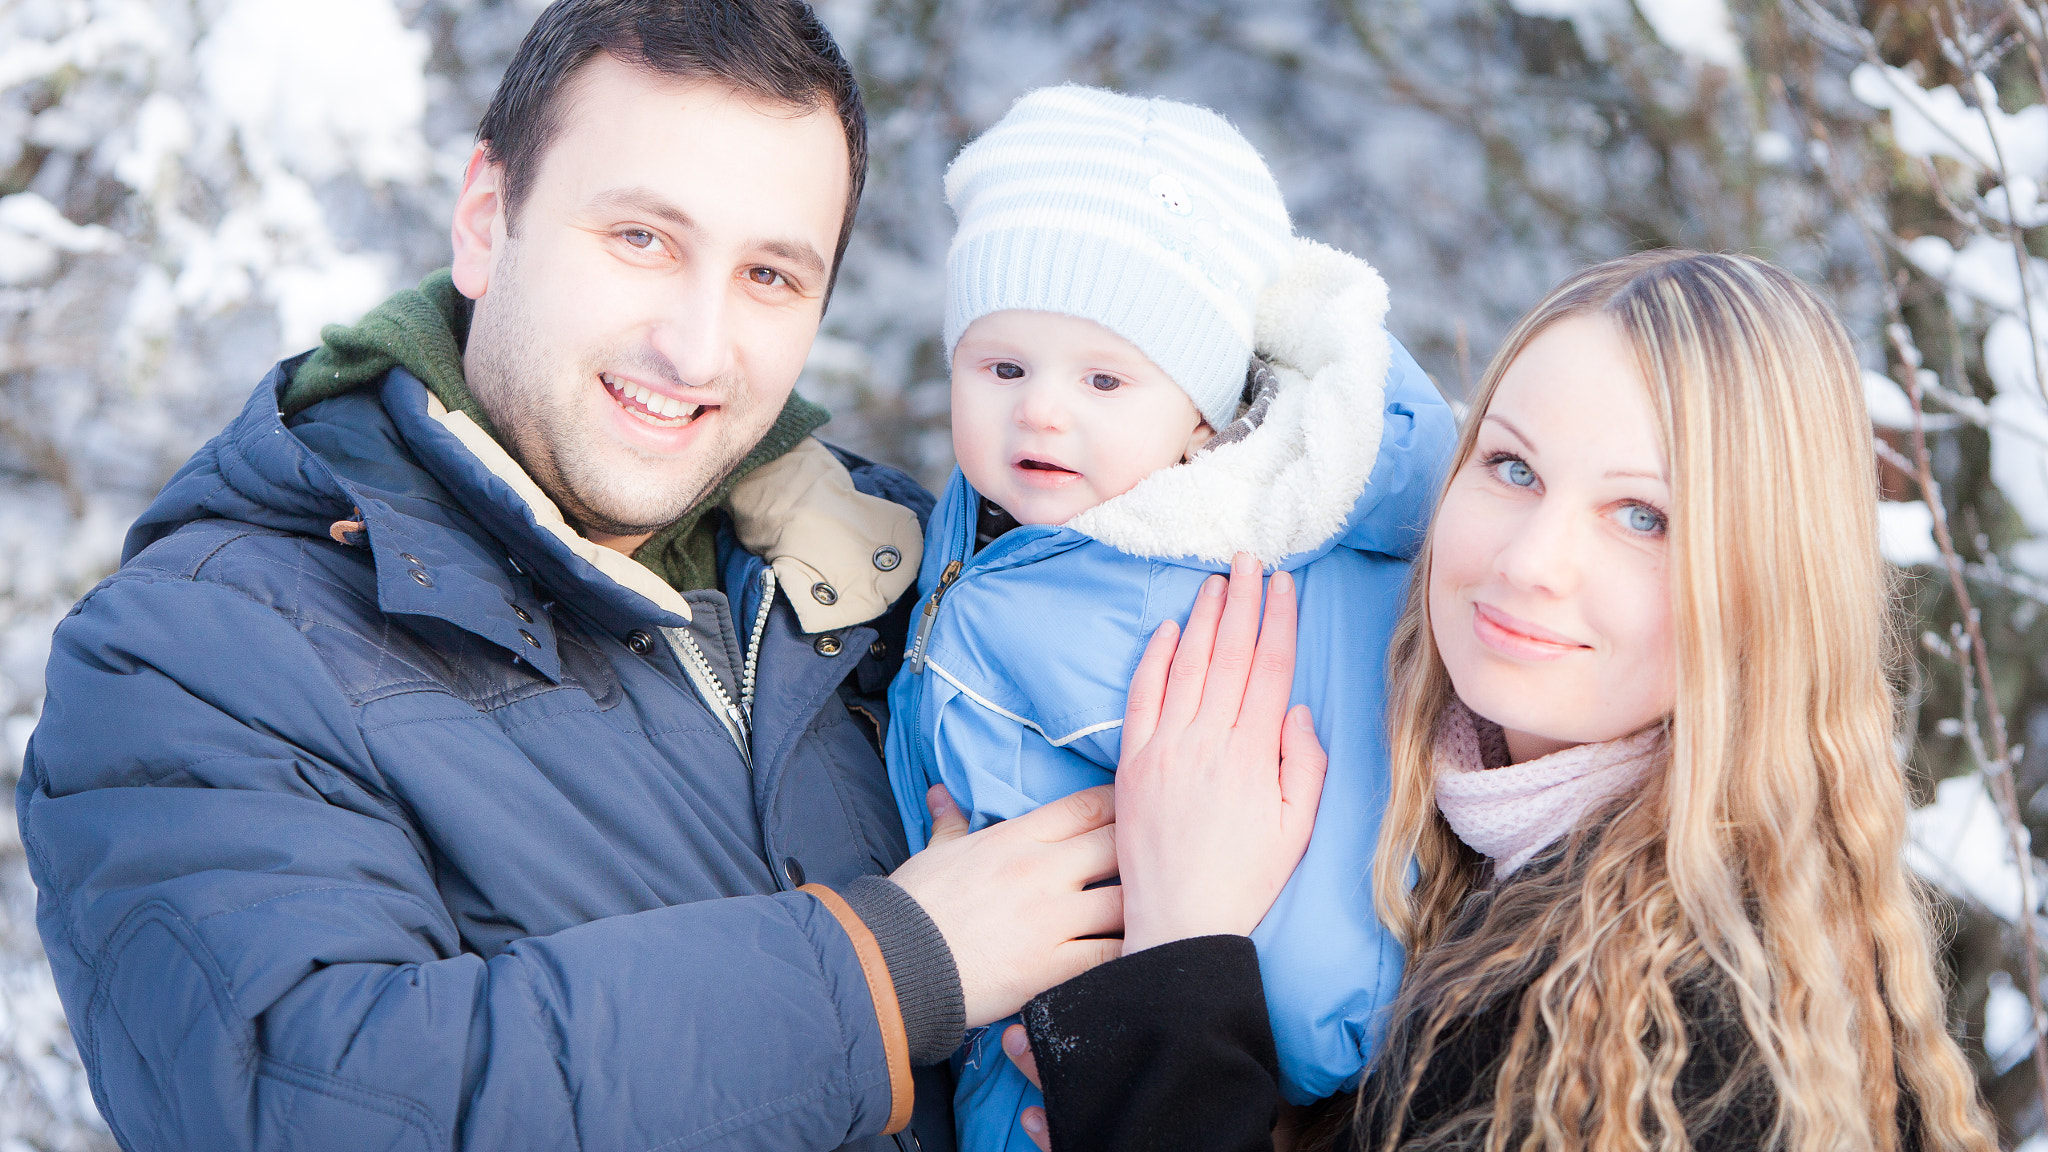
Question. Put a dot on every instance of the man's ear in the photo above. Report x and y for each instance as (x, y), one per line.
(479, 229)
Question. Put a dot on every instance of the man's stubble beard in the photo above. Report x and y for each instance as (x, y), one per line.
(515, 382)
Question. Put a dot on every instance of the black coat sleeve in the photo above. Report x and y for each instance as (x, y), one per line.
(1168, 1048)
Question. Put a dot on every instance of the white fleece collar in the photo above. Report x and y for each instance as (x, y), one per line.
(1291, 484)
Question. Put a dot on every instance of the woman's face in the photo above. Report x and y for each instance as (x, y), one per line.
(1548, 594)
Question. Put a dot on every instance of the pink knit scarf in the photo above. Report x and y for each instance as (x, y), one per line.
(1510, 812)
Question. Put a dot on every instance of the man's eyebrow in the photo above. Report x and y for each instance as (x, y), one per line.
(796, 252)
(647, 202)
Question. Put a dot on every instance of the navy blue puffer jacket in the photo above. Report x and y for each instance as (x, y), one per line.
(418, 837)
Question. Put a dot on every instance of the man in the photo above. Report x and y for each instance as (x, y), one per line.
(477, 746)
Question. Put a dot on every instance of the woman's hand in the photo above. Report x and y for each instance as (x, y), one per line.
(1216, 791)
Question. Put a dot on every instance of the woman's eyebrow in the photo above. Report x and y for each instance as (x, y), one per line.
(1512, 430)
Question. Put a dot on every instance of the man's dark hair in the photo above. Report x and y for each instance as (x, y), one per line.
(774, 50)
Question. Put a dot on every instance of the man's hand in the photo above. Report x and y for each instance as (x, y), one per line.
(1012, 900)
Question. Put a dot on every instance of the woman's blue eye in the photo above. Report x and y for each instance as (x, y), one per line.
(1642, 518)
(1104, 382)
(1513, 471)
(1008, 371)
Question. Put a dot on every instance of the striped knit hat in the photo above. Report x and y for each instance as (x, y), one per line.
(1154, 219)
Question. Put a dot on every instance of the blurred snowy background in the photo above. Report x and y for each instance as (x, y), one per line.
(190, 188)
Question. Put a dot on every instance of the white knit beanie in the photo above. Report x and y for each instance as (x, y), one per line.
(1153, 218)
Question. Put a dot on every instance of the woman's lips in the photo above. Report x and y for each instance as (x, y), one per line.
(1517, 638)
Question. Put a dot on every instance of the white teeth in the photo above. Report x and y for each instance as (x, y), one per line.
(665, 411)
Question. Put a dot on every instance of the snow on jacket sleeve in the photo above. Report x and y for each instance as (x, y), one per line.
(253, 953)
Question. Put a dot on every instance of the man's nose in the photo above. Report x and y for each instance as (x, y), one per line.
(1544, 553)
(694, 332)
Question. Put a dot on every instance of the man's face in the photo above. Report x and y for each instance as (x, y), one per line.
(641, 328)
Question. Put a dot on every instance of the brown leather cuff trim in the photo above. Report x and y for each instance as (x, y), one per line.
(882, 989)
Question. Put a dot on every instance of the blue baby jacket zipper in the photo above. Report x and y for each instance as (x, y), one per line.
(956, 559)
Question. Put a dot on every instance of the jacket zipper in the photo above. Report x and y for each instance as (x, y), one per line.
(737, 717)
(963, 544)
(931, 613)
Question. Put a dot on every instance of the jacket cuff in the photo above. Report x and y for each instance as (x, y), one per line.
(927, 983)
(902, 1094)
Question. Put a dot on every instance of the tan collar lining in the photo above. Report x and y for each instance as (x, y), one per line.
(842, 556)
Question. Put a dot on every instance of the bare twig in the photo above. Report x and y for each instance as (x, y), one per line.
(1972, 660)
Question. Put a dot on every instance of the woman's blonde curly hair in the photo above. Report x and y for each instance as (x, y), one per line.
(1765, 864)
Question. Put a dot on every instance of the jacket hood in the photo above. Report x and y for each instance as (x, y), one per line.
(1293, 483)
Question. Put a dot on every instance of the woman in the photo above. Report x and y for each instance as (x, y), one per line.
(1644, 781)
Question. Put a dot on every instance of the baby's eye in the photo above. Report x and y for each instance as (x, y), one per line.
(1512, 470)
(1008, 371)
(1641, 518)
(638, 237)
(1104, 382)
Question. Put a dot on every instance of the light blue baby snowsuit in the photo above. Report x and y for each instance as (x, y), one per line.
(1013, 690)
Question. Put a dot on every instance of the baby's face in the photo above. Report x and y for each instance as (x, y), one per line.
(1054, 414)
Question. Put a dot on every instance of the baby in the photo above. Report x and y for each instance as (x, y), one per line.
(1118, 264)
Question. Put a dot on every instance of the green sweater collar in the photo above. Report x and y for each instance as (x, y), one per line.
(423, 330)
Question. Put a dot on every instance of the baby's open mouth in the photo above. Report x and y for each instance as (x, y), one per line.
(649, 406)
(1041, 466)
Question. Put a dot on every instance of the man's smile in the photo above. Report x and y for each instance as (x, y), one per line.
(649, 406)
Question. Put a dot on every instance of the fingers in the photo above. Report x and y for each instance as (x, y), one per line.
(1191, 661)
(1148, 687)
(1302, 765)
(1069, 816)
(1033, 1120)
(1017, 1046)
(1097, 912)
(1272, 668)
(1094, 854)
(1237, 636)
(948, 822)
(1077, 956)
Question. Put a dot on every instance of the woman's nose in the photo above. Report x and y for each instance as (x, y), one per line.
(1542, 554)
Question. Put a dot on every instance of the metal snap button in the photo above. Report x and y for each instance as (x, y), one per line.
(794, 869)
(640, 642)
(879, 649)
(408, 557)
(524, 616)
(824, 593)
(422, 579)
(826, 645)
(529, 637)
(887, 558)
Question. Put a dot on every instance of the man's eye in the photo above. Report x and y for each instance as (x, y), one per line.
(766, 277)
(1104, 382)
(1008, 371)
